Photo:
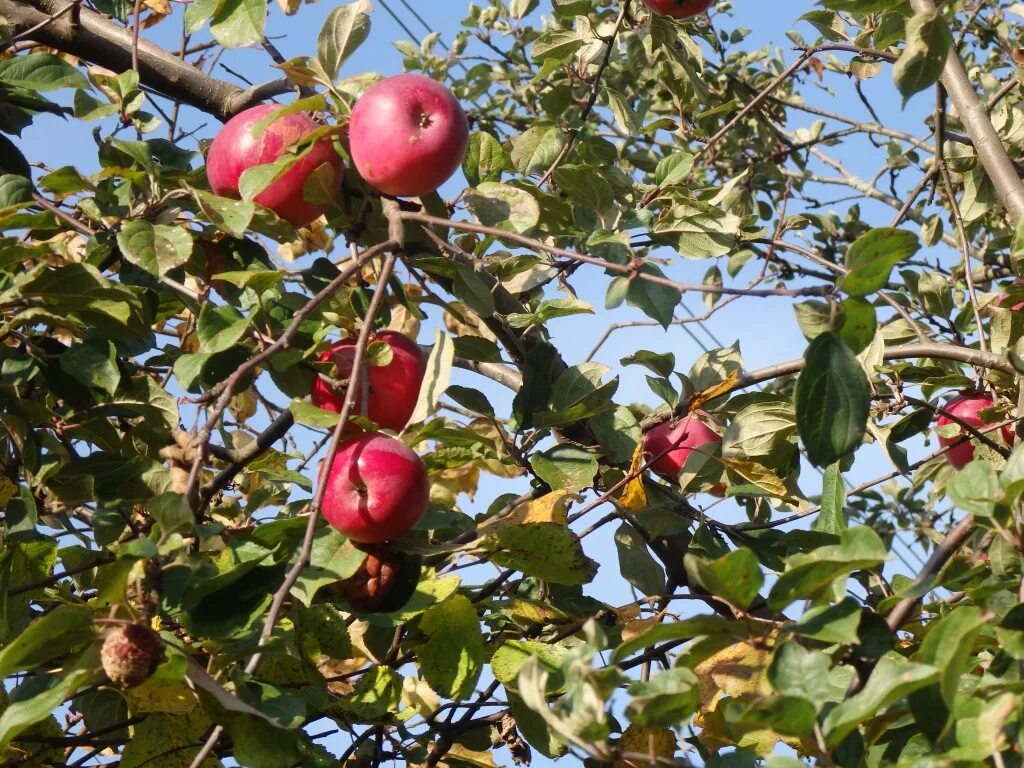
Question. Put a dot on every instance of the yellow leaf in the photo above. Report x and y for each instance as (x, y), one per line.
(735, 670)
(641, 741)
(634, 497)
(290, 7)
(7, 491)
(163, 7)
(700, 398)
(633, 629)
(550, 508)
(534, 612)
(459, 755)
(419, 696)
(759, 475)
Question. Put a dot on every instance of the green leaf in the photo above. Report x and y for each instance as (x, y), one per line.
(949, 646)
(566, 467)
(832, 400)
(892, 679)
(21, 715)
(473, 291)
(657, 301)
(157, 248)
(673, 169)
(636, 564)
(344, 30)
(232, 217)
(332, 559)
(453, 656)
(872, 256)
(15, 192)
(547, 551)
(536, 149)
(832, 517)
(686, 629)
(831, 623)
(555, 44)
(238, 23)
(735, 577)
(550, 309)
(168, 740)
(219, 328)
(797, 671)
(485, 159)
(668, 699)
(859, 324)
(377, 693)
(504, 206)
(975, 488)
(93, 364)
(41, 72)
(928, 44)
(48, 637)
(809, 574)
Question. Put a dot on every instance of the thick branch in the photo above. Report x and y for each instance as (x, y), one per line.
(974, 115)
(94, 38)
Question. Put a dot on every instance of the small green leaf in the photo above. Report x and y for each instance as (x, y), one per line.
(344, 30)
(504, 206)
(872, 256)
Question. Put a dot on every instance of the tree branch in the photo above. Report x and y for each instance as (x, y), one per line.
(94, 38)
(974, 116)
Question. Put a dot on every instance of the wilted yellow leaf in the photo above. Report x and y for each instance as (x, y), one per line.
(641, 741)
(709, 394)
(290, 7)
(634, 497)
(550, 508)
(417, 695)
(163, 7)
(735, 670)
(759, 475)
(459, 756)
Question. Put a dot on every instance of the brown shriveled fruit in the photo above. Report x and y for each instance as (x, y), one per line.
(384, 582)
(131, 654)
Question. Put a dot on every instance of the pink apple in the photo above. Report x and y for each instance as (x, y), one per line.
(394, 388)
(235, 150)
(408, 135)
(966, 408)
(680, 440)
(377, 489)
(680, 9)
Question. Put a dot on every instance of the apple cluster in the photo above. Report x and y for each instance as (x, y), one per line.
(407, 135)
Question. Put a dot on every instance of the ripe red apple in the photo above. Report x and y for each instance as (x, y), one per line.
(680, 9)
(683, 437)
(393, 388)
(966, 408)
(408, 135)
(235, 149)
(377, 489)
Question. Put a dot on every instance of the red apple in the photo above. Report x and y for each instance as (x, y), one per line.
(966, 408)
(1006, 298)
(408, 135)
(377, 489)
(680, 9)
(393, 388)
(235, 149)
(683, 437)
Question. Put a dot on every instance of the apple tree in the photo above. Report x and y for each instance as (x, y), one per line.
(248, 520)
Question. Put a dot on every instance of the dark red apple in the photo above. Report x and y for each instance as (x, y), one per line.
(408, 135)
(966, 408)
(393, 388)
(377, 489)
(235, 149)
(679, 439)
(680, 9)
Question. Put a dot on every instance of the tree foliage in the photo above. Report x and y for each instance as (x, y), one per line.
(158, 452)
